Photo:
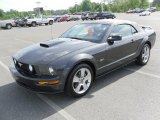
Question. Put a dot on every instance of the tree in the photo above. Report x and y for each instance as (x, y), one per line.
(1, 13)
(86, 5)
(156, 3)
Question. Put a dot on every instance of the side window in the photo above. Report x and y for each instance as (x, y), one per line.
(124, 30)
(133, 30)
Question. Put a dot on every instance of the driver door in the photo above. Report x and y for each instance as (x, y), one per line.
(120, 51)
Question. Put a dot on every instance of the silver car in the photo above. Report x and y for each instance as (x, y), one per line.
(8, 24)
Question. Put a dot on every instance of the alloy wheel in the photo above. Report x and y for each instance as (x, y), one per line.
(146, 54)
(82, 80)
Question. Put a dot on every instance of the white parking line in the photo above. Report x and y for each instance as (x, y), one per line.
(55, 107)
(144, 73)
(48, 101)
(4, 66)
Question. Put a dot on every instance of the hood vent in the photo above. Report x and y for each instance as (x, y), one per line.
(44, 45)
(50, 43)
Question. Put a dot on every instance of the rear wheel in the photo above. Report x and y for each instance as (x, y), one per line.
(144, 56)
(80, 80)
(50, 22)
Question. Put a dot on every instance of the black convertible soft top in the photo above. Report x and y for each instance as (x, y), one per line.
(115, 22)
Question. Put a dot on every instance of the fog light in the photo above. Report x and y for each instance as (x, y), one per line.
(31, 68)
(49, 83)
(51, 70)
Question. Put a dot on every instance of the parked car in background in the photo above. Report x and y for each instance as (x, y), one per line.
(77, 13)
(92, 15)
(152, 9)
(105, 15)
(131, 11)
(136, 10)
(139, 10)
(8, 24)
(62, 19)
(72, 18)
(22, 22)
(145, 13)
(56, 18)
(85, 16)
(39, 21)
(16, 20)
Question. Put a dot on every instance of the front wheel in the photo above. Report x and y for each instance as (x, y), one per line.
(80, 80)
(33, 24)
(144, 56)
(8, 26)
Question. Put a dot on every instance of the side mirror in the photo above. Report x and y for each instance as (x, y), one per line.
(114, 37)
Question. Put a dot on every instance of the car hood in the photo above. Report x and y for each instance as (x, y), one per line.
(7, 21)
(48, 51)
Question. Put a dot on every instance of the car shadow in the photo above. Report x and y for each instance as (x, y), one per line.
(17, 103)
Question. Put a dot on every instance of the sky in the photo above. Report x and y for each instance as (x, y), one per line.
(28, 5)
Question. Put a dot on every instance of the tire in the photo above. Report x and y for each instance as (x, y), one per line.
(46, 23)
(76, 81)
(33, 24)
(50, 22)
(8, 26)
(144, 56)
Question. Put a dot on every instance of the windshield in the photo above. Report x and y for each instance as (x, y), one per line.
(93, 32)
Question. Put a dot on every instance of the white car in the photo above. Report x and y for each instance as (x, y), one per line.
(145, 13)
(39, 20)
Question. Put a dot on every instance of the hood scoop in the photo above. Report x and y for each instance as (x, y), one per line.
(44, 45)
(50, 43)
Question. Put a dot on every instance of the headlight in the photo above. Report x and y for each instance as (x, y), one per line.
(31, 68)
(15, 62)
(51, 71)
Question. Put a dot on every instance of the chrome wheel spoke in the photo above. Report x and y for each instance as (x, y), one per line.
(78, 88)
(75, 79)
(83, 72)
(88, 77)
(85, 86)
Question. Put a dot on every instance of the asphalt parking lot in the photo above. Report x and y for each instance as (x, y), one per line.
(129, 93)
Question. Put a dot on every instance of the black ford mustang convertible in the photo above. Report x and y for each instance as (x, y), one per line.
(71, 62)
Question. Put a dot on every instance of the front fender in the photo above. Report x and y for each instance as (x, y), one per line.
(81, 58)
(65, 65)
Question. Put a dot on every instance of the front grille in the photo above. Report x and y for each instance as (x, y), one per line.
(24, 68)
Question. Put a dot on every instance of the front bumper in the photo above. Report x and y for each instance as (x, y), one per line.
(32, 83)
